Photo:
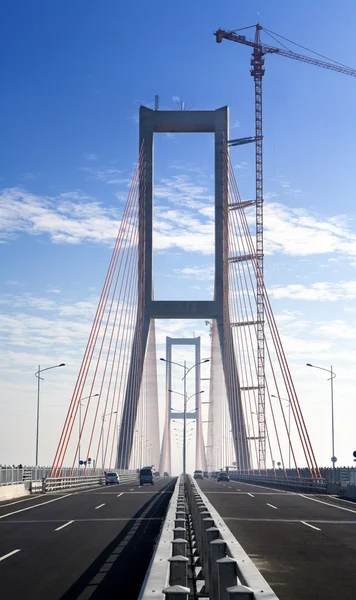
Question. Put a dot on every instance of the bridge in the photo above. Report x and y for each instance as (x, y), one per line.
(79, 539)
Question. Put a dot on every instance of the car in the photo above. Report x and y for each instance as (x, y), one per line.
(205, 473)
(157, 474)
(147, 476)
(112, 478)
(165, 474)
(198, 475)
(223, 476)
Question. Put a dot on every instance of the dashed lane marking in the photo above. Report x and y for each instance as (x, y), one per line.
(272, 506)
(312, 526)
(120, 494)
(100, 505)
(9, 554)
(63, 526)
(252, 496)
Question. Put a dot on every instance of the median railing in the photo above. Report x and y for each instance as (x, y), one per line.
(169, 563)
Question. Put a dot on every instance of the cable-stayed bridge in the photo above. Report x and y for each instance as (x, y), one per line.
(181, 538)
(255, 419)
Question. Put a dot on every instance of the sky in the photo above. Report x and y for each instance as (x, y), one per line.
(74, 74)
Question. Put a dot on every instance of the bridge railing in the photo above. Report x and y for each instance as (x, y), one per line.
(13, 475)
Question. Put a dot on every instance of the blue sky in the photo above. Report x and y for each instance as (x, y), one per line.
(74, 74)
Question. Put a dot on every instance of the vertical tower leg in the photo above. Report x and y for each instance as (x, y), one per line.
(132, 395)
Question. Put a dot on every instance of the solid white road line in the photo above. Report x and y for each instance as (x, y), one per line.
(271, 505)
(120, 494)
(100, 505)
(252, 496)
(312, 526)
(10, 554)
(15, 512)
(65, 525)
(322, 502)
(19, 501)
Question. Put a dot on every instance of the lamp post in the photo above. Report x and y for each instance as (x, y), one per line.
(80, 421)
(289, 445)
(39, 378)
(186, 371)
(102, 435)
(331, 379)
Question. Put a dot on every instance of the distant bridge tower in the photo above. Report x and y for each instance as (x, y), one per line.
(210, 121)
(193, 414)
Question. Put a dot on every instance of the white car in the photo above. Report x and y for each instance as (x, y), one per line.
(198, 475)
(112, 478)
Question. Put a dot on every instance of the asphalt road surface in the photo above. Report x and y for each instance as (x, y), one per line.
(304, 545)
(91, 544)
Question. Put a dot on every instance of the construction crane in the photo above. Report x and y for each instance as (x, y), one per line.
(257, 72)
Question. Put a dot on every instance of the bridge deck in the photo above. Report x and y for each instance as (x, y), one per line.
(103, 553)
(304, 545)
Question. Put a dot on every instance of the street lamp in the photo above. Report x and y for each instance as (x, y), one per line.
(186, 371)
(80, 421)
(102, 435)
(331, 379)
(186, 400)
(289, 450)
(37, 374)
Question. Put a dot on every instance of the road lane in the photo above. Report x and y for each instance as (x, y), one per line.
(305, 547)
(105, 551)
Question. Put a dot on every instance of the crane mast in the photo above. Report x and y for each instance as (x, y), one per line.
(259, 50)
(257, 72)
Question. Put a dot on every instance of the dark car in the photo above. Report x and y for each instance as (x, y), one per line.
(165, 474)
(146, 476)
(223, 476)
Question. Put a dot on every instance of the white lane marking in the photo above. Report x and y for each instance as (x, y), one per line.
(132, 489)
(10, 554)
(15, 512)
(229, 486)
(322, 502)
(263, 487)
(252, 496)
(312, 526)
(120, 494)
(18, 501)
(271, 505)
(140, 486)
(100, 505)
(65, 525)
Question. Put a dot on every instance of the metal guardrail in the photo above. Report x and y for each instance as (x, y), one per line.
(168, 563)
(228, 571)
(52, 484)
(14, 475)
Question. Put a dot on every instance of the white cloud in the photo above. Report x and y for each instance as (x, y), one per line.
(295, 231)
(91, 156)
(203, 273)
(68, 218)
(321, 291)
